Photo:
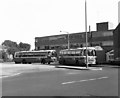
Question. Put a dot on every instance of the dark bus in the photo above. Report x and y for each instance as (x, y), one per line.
(41, 56)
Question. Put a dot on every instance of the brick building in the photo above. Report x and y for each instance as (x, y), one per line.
(119, 12)
(101, 37)
(116, 38)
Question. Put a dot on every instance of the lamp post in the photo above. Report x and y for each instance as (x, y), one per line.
(86, 34)
(68, 38)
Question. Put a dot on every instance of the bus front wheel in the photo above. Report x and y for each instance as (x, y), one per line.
(43, 61)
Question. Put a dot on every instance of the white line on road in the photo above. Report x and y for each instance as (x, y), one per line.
(10, 75)
(102, 77)
(70, 82)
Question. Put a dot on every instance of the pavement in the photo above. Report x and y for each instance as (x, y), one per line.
(11, 69)
(93, 67)
(79, 68)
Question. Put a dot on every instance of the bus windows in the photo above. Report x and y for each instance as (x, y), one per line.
(72, 53)
(17, 55)
(79, 53)
(54, 54)
(90, 52)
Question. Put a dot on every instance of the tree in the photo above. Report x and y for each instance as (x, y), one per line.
(9, 43)
(14, 47)
(24, 46)
(12, 50)
(4, 56)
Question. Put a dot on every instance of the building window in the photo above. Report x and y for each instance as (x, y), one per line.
(96, 34)
(107, 43)
(36, 40)
(108, 33)
(102, 34)
(96, 43)
(35, 48)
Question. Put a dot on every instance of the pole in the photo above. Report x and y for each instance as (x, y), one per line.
(86, 34)
(68, 41)
(90, 35)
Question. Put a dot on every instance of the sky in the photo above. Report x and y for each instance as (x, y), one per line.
(23, 20)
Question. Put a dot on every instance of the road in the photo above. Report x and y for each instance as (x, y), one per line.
(53, 81)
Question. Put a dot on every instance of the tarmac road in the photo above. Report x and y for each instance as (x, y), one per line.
(62, 82)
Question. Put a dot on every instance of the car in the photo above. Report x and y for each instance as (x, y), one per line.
(116, 61)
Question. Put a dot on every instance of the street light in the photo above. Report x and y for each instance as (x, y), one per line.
(68, 38)
(86, 34)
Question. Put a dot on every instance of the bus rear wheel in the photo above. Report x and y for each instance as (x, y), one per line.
(17, 62)
(48, 62)
(24, 61)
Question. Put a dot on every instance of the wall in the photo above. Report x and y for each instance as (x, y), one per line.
(119, 12)
(117, 41)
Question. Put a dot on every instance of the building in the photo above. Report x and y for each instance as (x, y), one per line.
(101, 37)
(119, 12)
(116, 38)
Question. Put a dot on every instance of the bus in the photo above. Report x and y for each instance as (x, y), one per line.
(41, 56)
(77, 56)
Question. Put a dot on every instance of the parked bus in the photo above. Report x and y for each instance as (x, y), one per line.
(41, 56)
(78, 56)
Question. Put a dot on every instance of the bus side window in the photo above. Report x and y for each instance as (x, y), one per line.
(73, 53)
(76, 53)
(17, 55)
(82, 53)
(54, 54)
(89, 52)
(94, 52)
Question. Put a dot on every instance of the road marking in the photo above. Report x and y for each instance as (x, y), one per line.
(73, 73)
(96, 69)
(10, 75)
(102, 77)
(70, 82)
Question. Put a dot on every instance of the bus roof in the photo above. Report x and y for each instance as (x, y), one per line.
(87, 48)
(37, 51)
(79, 48)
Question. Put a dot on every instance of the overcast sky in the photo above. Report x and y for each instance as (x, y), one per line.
(23, 20)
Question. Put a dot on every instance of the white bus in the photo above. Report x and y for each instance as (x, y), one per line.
(78, 56)
(41, 56)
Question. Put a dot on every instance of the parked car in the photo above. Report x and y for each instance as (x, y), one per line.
(116, 61)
